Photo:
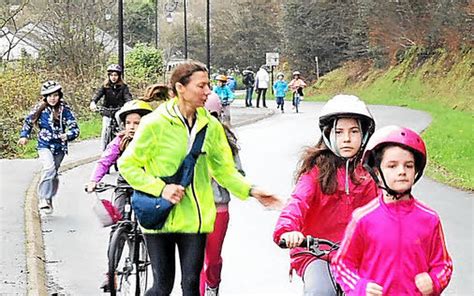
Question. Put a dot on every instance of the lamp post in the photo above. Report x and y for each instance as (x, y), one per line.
(120, 35)
(185, 32)
(208, 36)
(157, 38)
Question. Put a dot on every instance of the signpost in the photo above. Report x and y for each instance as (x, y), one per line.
(272, 59)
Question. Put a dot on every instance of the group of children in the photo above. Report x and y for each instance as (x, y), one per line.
(353, 186)
(281, 87)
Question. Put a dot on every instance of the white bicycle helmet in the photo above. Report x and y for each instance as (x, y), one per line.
(50, 87)
(134, 106)
(296, 73)
(344, 106)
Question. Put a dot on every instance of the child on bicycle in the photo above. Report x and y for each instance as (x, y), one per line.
(211, 272)
(280, 87)
(226, 96)
(296, 85)
(129, 116)
(115, 93)
(57, 126)
(331, 184)
(395, 244)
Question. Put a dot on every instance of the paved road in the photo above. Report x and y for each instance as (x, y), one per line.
(253, 264)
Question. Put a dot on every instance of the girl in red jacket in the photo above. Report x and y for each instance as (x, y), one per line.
(395, 244)
(331, 184)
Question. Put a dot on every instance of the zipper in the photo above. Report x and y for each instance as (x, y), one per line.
(197, 206)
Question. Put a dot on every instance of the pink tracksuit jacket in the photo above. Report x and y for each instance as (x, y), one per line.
(320, 215)
(389, 244)
(107, 159)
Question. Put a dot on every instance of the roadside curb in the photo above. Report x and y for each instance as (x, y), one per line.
(37, 283)
(34, 244)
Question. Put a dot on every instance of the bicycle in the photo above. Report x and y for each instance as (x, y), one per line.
(113, 128)
(312, 246)
(296, 100)
(127, 254)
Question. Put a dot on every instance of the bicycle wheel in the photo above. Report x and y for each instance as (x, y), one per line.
(108, 136)
(297, 103)
(122, 272)
(142, 265)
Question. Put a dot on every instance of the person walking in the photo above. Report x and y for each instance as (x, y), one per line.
(395, 244)
(160, 144)
(262, 80)
(249, 82)
(330, 180)
(57, 126)
(115, 93)
(211, 272)
(280, 87)
(225, 95)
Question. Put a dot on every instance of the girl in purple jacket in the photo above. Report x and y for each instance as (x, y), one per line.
(394, 245)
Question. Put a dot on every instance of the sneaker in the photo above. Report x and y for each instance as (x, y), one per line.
(46, 205)
(105, 284)
(50, 204)
(211, 291)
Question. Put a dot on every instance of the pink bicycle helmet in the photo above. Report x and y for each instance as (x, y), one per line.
(400, 136)
(213, 104)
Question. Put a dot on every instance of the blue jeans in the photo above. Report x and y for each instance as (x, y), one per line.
(280, 102)
(48, 185)
(248, 97)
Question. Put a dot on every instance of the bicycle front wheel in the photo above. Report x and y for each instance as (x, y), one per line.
(124, 273)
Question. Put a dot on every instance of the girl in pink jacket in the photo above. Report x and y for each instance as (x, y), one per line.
(331, 184)
(395, 244)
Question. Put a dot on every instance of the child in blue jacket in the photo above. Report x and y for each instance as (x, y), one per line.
(280, 87)
(57, 126)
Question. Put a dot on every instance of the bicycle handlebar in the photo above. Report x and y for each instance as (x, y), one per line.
(101, 187)
(310, 241)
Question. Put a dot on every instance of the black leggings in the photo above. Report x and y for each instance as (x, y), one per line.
(161, 248)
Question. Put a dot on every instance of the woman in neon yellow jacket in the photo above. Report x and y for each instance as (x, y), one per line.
(160, 144)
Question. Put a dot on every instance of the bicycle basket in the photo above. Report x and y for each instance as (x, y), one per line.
(106, 212)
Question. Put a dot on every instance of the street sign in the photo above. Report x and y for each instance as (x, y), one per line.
(272, 58)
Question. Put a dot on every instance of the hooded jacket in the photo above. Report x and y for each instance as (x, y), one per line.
(115, 95)
(320, 215)
(159, 146)
(389, 244)
(49, 130)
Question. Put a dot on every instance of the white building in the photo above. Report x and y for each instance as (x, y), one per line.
(29, 39)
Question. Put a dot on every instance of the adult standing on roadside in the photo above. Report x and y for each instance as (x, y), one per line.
(115, 93)
(249, 82)
(158, 148)
(261, 85)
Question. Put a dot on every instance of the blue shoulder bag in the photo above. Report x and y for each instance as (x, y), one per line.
(152, 211)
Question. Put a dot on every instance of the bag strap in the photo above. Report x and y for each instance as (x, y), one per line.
(198, 142)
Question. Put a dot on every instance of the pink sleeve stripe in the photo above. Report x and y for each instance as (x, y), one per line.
(425, 208)
(445, 274)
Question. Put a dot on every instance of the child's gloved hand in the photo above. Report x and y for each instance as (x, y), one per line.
(424, 283)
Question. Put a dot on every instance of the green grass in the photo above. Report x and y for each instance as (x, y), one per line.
(448, 99)
(90, 128)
